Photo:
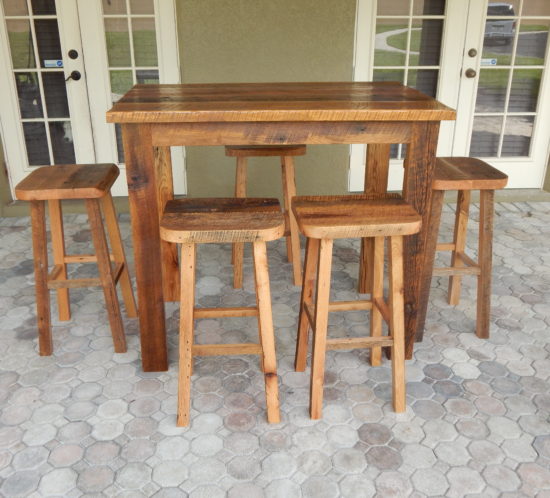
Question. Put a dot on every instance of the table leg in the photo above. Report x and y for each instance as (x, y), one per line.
(419, 248)
(376, 182)
(142, 193)
(169, 251)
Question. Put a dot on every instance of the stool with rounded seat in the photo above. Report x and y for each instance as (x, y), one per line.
(325, 218)
(286, 153)
(234, 220)
(92, 183)
(465, 174)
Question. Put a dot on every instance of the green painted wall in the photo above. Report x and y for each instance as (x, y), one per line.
(261, 41)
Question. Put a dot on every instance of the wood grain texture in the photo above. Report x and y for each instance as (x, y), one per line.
(377, 166)
(267, 337)
(58, 249)
(306, 300)
(467, 173)
(327, 101)
(67, 181)
(377, 292)
(350, 216)
(142, 194)
(222, 220)
(237, 253)
(40, 260)
(275, 133)
(419, 249)
(293, 233)
(169, 252)
(106, 274)
(264, 151)
(187, 305)
(459, 241)
(485, 257)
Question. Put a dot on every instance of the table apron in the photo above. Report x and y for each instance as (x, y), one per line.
(278, 133)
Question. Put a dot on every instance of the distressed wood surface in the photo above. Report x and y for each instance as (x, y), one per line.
(349, 216)
(326, 101)
(264, 151)
(222, 220)
(143, 200)
(67, 181)
(467, 173)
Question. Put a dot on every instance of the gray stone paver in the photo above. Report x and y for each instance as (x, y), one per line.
(86, 421)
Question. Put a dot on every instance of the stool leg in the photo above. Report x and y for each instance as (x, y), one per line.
(397, 323)
(267, 338)
(320, 331)
(58, 245)
(40, 251)
(377, 293)
(293, 238)
(118, 253)
(106, 274)
(308, 287)
(459, 241)
(238, 247)
(485, 257)
(187, 305)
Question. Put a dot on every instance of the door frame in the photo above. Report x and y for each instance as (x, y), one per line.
(12, 136)
(454, 90)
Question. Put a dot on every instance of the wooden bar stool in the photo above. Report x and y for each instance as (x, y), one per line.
(198, 221)
(286, 153)
(465, 174)
(325, 218)
(92, 183)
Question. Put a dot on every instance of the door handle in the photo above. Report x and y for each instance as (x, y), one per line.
(470, 73)
(75, 75)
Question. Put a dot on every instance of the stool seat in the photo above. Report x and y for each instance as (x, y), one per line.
(67, 181)
(347, 216)
(466, 173)
(264, 150)
(222, 220)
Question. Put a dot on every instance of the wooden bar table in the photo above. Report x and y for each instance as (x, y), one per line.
(155, 117)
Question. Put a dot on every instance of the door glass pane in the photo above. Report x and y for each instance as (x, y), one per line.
(61, 136)
(391, 42)
(491, 91)
(15, 8)
(517, 136)
(393, 8)
(21, 48)
(55, 91)
(536, 8)
(525, 90)
(429, 7)
(147, 76)
(121, 82)
(131, 49)
(49, 46)
(142, 7)
(426, 42)
(118, 42)
(43, 7)
(486, 136)
(114, 7)
(532, 42)
(28, 92)
(408, 45)
(145, 42)
(41, 87)
(37, 143)
(424, 80)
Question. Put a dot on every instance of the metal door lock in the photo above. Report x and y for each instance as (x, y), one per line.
(75, 75)
(470, 73)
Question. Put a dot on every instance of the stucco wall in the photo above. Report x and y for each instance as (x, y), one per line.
(259, 41)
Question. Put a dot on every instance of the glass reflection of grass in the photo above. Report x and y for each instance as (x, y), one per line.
(116, 40)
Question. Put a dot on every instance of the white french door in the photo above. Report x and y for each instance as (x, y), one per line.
(62, 65)
(488, 60)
